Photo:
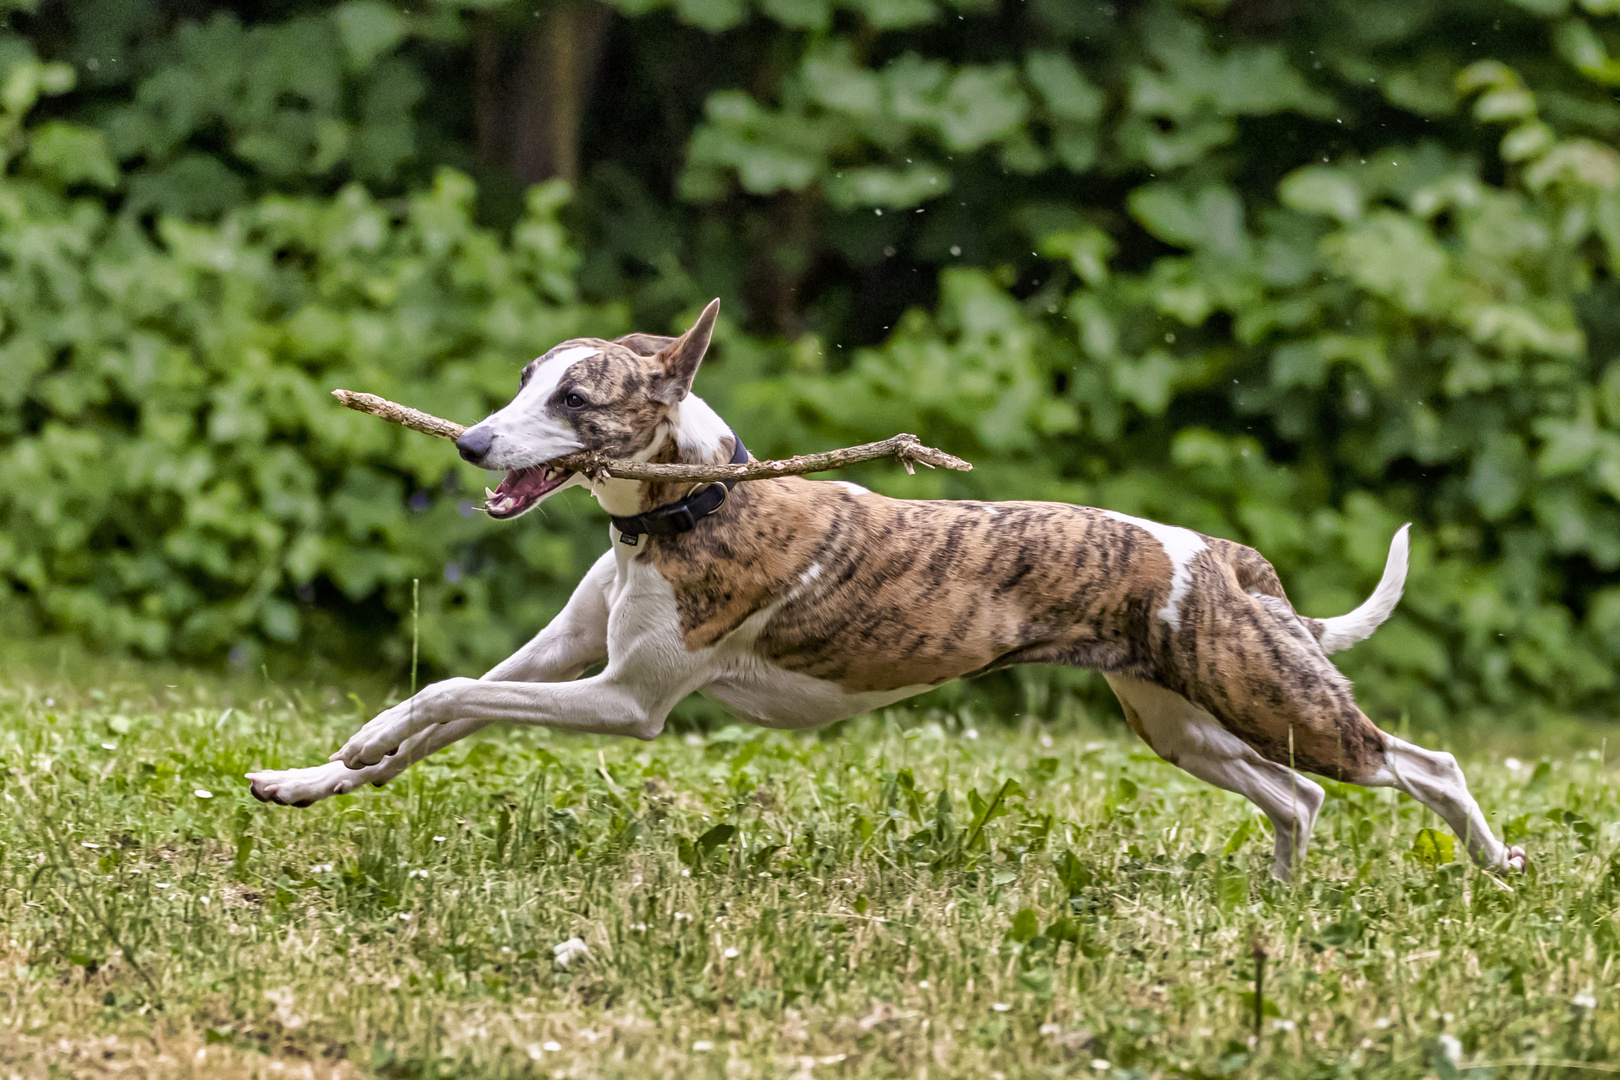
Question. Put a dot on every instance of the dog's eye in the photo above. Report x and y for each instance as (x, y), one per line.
(574, 399)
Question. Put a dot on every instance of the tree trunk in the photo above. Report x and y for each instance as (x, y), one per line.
(487, 103)
(556, 70)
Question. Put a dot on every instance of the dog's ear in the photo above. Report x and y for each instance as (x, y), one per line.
(645, 344)
(682, 357)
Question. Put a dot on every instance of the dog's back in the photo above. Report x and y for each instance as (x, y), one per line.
(879, 596)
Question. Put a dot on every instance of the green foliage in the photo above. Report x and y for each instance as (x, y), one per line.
(1432, 848)
(1292, 278)
(176, 478)
(1385, 332)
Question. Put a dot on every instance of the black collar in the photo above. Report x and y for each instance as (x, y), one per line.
(681, 515)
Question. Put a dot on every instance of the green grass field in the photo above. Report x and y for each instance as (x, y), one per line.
(895, 896)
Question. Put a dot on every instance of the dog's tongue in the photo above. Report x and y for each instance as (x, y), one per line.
(520, 488)
(521, 482)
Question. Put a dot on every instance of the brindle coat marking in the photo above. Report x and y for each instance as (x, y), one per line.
(804, 601)
(1053, 584)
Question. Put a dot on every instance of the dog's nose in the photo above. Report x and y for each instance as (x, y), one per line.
(474, 444)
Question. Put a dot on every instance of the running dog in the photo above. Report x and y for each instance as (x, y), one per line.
(796, 603)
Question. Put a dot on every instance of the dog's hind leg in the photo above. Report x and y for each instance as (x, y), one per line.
(1276, 690)
(1187, 736)
(1435, 779)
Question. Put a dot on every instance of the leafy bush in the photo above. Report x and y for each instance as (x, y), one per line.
(176, 477)
(1288, 274)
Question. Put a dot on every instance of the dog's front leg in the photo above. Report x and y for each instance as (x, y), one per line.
(574, 640)
(304, 787)
(612, 703)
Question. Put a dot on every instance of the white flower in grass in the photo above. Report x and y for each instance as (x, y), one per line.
(1584, 1000)
(1282, 1025)
(88, 844)
(1451, 1047)
(417, 873)
(1101, 1064)
(566, 952)
(1001, 1006)
(1513, 764)
(732, 953)
(164, 885)
(1382, 1022)
(321, 868)
(438, 839)
(971, 733)
(703, 1046)
(404, 916)
(551, 1046)
(203, 793)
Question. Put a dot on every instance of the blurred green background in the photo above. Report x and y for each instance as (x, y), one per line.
(1288, 272)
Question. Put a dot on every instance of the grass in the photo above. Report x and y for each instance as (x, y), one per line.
(897, 896)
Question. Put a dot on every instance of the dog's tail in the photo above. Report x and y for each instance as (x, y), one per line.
(1346, 630)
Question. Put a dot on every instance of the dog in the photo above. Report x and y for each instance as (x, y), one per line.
(796, 603)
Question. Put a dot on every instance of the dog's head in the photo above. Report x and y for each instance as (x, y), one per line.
(611, 397)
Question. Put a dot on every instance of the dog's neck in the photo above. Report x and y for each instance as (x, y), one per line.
(691, 434)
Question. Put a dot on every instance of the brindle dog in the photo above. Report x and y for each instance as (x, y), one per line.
(802, 602)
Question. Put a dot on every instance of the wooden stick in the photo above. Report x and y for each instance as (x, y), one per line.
(403, 415)
(907, 448)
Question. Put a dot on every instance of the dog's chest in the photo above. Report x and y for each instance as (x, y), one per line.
(645, 639)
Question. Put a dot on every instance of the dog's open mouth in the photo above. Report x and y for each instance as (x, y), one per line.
(522, 488)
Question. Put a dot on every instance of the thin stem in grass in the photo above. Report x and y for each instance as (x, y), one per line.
(416, 627)
(1258, 947)
(989, 811)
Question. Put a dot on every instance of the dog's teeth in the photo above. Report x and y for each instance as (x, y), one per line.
(489, 495)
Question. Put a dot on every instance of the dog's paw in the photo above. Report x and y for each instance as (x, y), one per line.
(371, 745)
(383, 734)
(379, 738)
(303, 787)
(1515, 859)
